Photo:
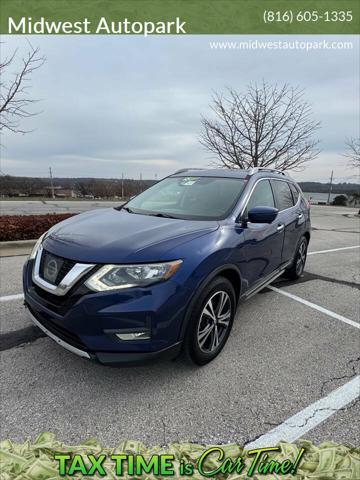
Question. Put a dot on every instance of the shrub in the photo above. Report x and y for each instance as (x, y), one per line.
(27, 227)
(340, 200)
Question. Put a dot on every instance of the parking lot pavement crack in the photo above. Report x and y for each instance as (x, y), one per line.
(251, 440)
(321, 409)
(272, 424)
(288, 423)
(164, 431)
(14, 339)
(350, 364)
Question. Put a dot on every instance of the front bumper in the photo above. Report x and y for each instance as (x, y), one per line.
(112, 358)
(86, 323)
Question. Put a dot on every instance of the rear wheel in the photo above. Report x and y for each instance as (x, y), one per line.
(297, 268)
(211, 322)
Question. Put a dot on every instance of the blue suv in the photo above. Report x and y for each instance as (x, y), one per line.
(165, 272)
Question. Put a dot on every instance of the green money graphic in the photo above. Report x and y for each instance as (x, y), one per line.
(35, 461)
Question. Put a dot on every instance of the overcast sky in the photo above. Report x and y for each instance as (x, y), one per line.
(114, 104)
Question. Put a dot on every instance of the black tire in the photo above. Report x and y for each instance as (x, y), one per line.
(203, 329)
(297, 268)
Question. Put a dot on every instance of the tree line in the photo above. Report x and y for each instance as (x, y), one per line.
(82, 187)
(111, 187)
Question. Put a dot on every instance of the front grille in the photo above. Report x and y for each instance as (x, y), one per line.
(56, 303)
(65, 265)
(59, 304)
(60, 331)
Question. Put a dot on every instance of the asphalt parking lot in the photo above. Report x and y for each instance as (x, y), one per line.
(292, 346)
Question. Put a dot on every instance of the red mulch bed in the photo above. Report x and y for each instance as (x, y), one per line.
(27, 227)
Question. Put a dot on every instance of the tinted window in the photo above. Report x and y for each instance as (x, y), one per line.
(295, 192)
(199, 198)
(262, 196)
(283, 194)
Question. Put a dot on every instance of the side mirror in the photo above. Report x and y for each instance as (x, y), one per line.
(262, 214)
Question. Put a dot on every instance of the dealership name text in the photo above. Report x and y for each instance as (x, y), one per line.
(27, 25)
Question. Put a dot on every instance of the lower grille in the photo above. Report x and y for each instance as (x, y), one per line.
(53, 299)
(61, 332)
(59, 305)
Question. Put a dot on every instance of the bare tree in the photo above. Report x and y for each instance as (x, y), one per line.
(353, 152)
(266, 126)
(15, 102)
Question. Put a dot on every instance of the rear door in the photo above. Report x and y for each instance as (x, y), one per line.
(263, 242)
(290, 216)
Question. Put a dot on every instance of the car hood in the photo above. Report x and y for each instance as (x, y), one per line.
(115, 236)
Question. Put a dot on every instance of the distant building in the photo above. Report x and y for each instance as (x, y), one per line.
(61, 192)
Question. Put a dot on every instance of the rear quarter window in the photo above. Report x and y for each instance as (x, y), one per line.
(295, 192)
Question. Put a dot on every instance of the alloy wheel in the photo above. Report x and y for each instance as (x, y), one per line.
(214, 322)
(301, 258)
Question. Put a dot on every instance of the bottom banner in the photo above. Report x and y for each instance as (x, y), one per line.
(48, 458)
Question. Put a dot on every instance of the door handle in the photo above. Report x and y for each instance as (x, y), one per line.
(300, 215)
(280, 227)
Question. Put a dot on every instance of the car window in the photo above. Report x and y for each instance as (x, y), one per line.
(295, 193)
(283, 195)
(198, 198)
(262, 196)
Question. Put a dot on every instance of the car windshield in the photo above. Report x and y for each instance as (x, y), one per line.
(193, 198)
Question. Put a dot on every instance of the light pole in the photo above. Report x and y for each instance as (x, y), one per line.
(52, 184)
(330, 187)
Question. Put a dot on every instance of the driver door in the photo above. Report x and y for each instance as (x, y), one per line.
(263, 242)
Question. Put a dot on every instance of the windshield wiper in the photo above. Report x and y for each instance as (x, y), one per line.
(128, 209)
(163, 215)
(155, 214)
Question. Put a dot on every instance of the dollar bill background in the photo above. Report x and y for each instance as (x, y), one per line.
(35, 461)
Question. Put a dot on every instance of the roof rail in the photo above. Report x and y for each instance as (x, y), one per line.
(254, 170)
(183, 170)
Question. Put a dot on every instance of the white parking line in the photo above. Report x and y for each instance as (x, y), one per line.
(307, 419)
(8, 298)
(333, 250)
(316, 307)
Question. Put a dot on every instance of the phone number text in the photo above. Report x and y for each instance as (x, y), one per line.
(306, 16)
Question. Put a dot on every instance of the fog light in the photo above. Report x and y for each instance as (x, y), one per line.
(134, 336)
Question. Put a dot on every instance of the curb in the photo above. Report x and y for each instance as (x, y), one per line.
(16, 247)
(18, 243)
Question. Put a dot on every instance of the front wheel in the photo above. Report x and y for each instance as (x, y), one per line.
(297, 268)
(210, 322)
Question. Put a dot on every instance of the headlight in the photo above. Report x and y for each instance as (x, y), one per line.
(111, 277)
(36, 246)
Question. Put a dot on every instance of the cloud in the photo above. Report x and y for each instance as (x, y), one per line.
(133, 104)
